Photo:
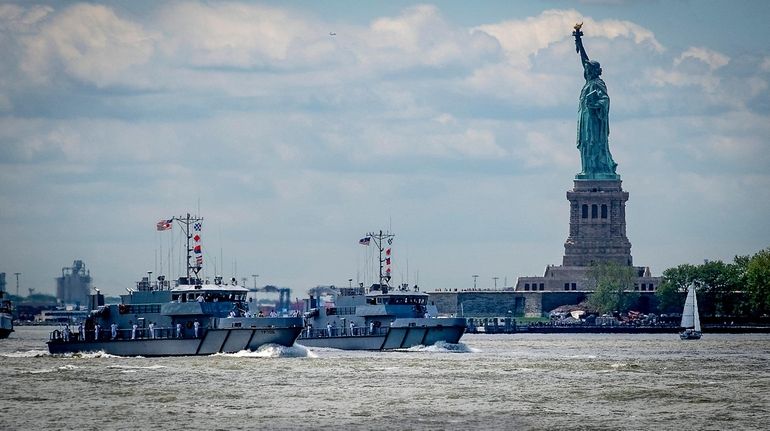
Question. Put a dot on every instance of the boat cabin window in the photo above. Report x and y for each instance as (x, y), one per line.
(401, 300)
(408, 300)
(203, 296)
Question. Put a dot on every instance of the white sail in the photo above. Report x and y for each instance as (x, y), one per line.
(695, 314)
(690, 318)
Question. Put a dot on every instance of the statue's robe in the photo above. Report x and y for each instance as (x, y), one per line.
(593, 130)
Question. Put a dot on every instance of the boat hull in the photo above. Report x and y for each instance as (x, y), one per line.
(6, 325)
(402, 334)
(690, 335)
(229, 340)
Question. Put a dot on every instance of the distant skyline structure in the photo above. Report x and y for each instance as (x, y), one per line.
(295, 126)
(74, 285)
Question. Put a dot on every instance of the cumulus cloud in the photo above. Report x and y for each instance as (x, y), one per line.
(545, 39)
(89, 43)
(20, 20)
(523, 38)
(547, 147)
(712, 58)
(240, 35)
(421, 36)
(765, 66)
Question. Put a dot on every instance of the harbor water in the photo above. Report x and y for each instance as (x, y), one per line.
(524, 381)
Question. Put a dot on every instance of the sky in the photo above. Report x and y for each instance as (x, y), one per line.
(294, 128)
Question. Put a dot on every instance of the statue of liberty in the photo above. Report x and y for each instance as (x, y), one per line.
(593, 127)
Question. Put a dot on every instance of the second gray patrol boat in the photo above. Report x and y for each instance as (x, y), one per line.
(193, 317)
(378, 318)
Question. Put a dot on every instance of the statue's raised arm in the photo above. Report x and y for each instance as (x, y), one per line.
(579, 43)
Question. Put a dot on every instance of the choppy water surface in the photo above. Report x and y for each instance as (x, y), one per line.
(529, 381)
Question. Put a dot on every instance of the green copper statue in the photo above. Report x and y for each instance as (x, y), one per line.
(593, 128)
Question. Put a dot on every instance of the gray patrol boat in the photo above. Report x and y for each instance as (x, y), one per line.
(6, 316)
(194, 317)
(380, 317)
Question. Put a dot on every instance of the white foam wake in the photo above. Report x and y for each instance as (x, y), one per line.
(90, 355)
(131, 367)
(273, 351)
(26, 354)
(444, 347)
(68, 367)
(41, 353)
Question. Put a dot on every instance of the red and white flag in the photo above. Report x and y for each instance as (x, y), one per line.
(164, 225)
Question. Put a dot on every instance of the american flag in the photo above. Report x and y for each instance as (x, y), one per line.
(164, 224)
(364, 241)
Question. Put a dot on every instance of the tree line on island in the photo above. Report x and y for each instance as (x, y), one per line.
(739, 290)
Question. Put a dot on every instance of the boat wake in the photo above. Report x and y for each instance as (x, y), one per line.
(273, 351)
(26, 354)
(52, 370)
(444, 347)
(42, 353)
(133, 369)
(89, 355)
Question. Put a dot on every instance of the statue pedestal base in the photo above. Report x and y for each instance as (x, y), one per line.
(597, 227)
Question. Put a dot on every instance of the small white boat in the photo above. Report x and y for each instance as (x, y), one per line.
(690, 317)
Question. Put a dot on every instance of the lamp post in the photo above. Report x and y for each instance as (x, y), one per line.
(474, 280)
(495, 278)
(255, 285)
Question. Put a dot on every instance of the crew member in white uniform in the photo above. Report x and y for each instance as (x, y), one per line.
(133, 331)
(151, 327)
(197, 326)
(114, 330)
(96, 332)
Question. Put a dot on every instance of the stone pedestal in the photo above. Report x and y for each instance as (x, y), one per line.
(597, 224)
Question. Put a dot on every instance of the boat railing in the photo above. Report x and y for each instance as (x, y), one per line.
(310, 332)
(158, 333)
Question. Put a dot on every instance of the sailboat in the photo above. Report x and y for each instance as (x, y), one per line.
(690, 318)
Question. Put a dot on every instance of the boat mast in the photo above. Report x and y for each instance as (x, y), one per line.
(185, 222)
(378, 241)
